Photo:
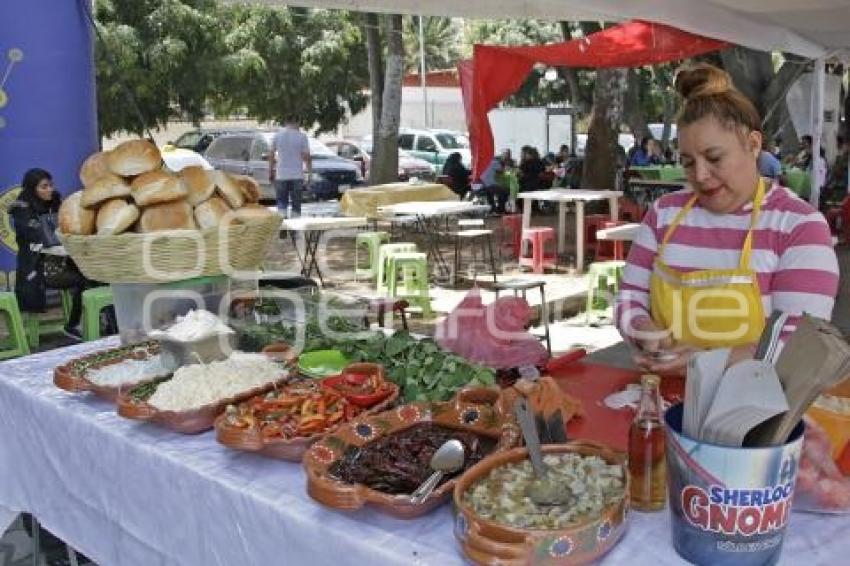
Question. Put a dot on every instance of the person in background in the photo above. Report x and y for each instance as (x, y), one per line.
(563, 155)
(837, 182)
(640, 156)
(656, 156)
(459, 175)
(769, 166)
(803, 160)
(288, 158)
(38, 200)
(497, 195)
(711, 262)
(530, 169)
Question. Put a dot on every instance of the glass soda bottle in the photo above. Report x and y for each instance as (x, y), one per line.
(647, 462)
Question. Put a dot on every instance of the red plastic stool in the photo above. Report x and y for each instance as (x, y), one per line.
(609, 249)
(538, 238)
(592, 223)
(512, 232)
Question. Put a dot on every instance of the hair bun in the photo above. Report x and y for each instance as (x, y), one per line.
(702, 79)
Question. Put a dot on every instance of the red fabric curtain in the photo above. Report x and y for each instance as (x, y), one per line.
(496, 72)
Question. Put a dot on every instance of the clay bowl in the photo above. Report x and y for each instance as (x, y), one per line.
(585, 541)
(192, 421)
(71, 376)
(281, 352)
(475, 410)
(292, 449)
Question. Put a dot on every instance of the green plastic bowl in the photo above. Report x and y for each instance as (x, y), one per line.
(322, 363)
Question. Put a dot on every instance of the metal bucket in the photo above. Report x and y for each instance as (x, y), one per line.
(729, 505)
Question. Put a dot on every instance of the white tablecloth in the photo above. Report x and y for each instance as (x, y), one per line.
(128, 493)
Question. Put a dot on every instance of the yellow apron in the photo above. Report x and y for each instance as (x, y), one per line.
(709, 308)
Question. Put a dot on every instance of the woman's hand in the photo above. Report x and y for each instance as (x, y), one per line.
(646, 335)
(673, 362)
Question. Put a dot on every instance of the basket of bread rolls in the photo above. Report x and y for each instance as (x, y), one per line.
(136, 222)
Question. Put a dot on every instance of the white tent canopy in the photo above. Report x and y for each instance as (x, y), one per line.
(811, 28)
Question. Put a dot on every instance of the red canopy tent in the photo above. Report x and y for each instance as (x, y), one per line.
(496, 72)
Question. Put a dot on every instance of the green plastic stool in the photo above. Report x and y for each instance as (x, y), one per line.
(372, 241)
(17, 344)
(603, 276)
(384, 253)
(414, 279)
(94, 301)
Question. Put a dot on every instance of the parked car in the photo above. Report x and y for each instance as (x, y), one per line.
(434, 146)
(361, 152)
(247, 153)
(199, 140)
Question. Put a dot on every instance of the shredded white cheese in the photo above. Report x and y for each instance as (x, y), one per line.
(128, 372)
(198, 384)
(194, 326)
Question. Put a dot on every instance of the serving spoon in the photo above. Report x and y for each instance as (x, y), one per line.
(542, 491)
(447, 459)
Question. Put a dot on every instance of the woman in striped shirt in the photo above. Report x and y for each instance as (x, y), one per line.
(711, 262)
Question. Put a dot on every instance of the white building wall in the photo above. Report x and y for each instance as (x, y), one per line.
(445, 110)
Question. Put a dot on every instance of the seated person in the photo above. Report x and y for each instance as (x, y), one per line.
(640, 156)
(459, 175)
(530, 169)
(38, 200)
(497, 195)
(769, 166)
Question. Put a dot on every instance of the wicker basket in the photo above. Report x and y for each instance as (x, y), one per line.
(172, 255)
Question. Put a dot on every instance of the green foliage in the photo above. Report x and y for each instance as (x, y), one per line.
(182, 58)
(441, 39)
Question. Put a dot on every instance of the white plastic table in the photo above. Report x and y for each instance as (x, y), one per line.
(313, 227)
(427, 214)
(563, 197)
(623, 233)
(125, 493)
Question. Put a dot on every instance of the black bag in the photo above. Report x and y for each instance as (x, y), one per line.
(60, 272)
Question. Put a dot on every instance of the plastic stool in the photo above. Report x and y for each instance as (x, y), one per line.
(592, 223)
(17, 344)
(609, 249)
(538, 238)
(414, 279)
(511, 233)
(94, 301)
(372, 241)
(384, 252)
(602, 276)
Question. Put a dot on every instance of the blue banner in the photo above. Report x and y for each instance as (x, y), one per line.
(48, 105)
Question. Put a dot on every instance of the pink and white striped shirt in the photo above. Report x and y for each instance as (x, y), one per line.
(792, 253)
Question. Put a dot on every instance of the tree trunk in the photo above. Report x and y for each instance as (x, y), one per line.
(634, 115)
(385, 161)
(579, 99)
(376, 68)
(600, 166)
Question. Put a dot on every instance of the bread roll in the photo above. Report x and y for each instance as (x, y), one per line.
(116, 216)
(213, 213)
(229, 189)
(73, 218)
(175, 215)
(134, 157)
(156, 187)
(94, 167)
(249, 187)
(251, 213)
(107, 187)
(199, 184)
